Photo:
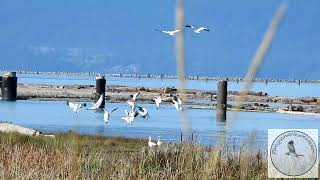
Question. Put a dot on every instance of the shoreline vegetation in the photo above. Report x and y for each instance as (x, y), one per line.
(73, 156)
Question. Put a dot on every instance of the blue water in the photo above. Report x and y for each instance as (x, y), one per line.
(272, 88)
(55, 116)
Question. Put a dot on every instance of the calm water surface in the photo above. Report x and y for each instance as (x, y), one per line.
(272, 88)
(55, 116)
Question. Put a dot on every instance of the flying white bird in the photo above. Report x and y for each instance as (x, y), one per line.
(106, 115)
(177, 103)
(171, 33)
(198, 30)
(129, 117)
(143, 112)
(98, 103)
(150, 143)
(132, 101)
(158, 101)
(292, 150)
(159, 142)
(76, 107)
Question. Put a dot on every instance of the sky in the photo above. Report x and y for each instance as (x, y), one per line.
(47, 34)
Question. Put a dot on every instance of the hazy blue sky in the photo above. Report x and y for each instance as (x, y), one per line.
(122, 30)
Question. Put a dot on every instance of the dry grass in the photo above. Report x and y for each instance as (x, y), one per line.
(25, 157)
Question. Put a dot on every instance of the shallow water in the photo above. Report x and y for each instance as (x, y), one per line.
(165, 122)
(272, 88)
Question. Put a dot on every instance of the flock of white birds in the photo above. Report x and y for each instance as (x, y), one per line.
(130, 115)
(135, 110)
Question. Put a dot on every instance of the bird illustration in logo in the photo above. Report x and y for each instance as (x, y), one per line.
(292, 150)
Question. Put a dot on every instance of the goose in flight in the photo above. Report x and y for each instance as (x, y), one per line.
(129, 117)
(171, 33)
(98, 103)
(198, 30)
(132, 101)
(76, 107)
(150, 143)
(106, 115)
(177, 103)
(158, 100)
(292, 150)
(159, 142)
(143, 112)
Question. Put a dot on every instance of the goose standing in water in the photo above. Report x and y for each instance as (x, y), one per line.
(150, 143)
(76, 107)
(177, 103)
(143, 112)
(158, 100)
(106, 115)
(132, 101)
(198, 30)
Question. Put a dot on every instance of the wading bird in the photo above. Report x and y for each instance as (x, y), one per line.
(198, 30)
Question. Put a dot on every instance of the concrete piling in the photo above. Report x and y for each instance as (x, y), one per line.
(222, 100)
(101, 89)
(9, 86)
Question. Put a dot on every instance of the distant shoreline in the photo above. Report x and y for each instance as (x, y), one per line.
(164, 76)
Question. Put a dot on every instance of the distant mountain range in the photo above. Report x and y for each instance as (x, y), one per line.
(97, 60)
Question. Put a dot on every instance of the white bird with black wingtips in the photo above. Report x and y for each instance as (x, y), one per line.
(132, 101)
(198, 30)
(106, 115)
(177, 103)
(129, 117)
(76, 107)
(143, 112)
(171, 33)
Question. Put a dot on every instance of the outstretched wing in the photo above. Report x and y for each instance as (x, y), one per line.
(202, 29)
(189, 26)
(175, 31)
(98, 103)
(114, 110)
(136, 95)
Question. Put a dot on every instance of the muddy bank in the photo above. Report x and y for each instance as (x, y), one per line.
(121, 93)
